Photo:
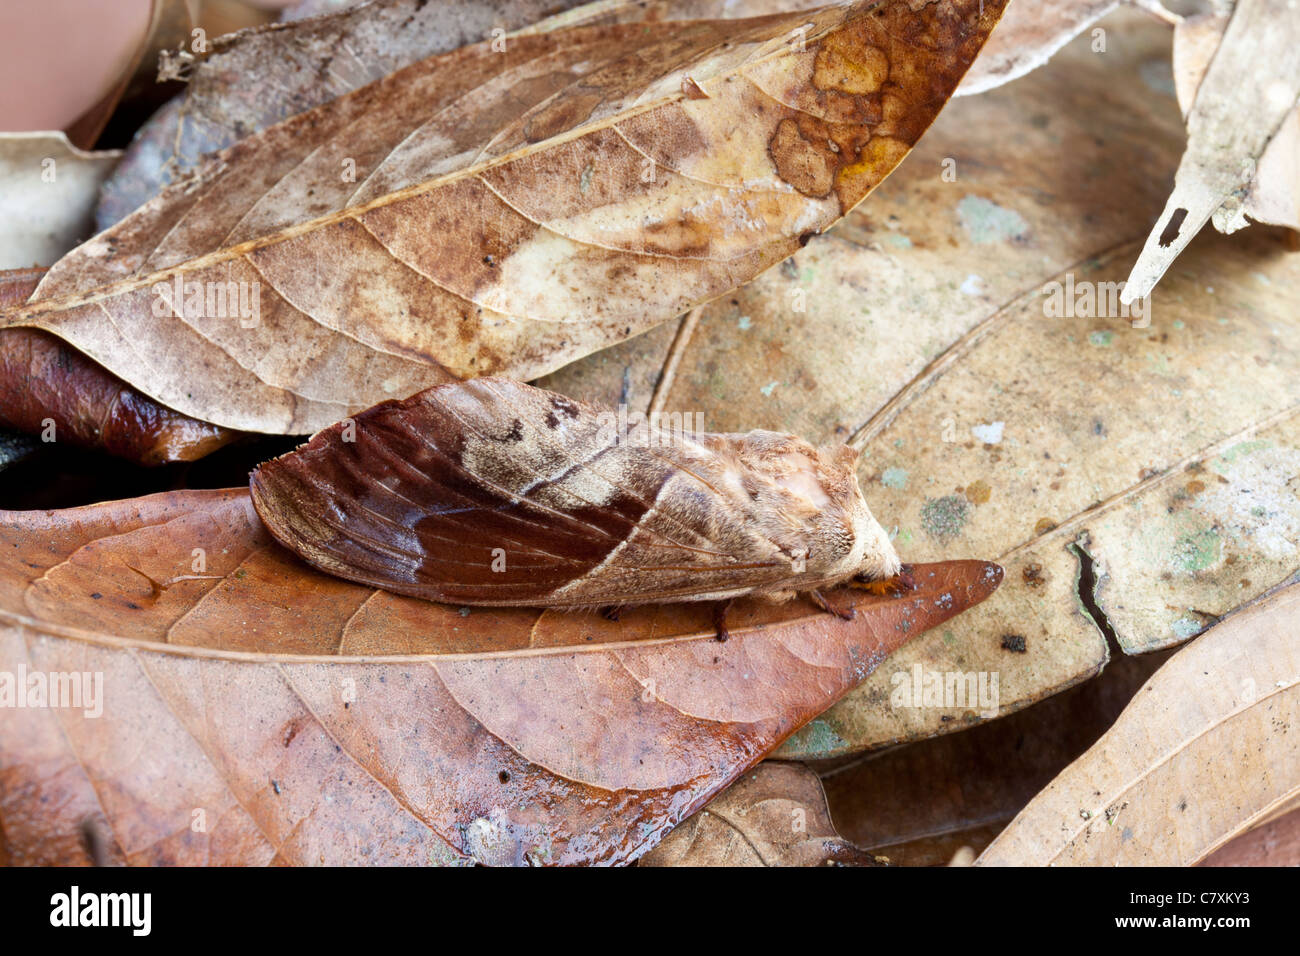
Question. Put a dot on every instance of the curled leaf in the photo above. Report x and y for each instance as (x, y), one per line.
(774, 816)
(1250, 89)
(48, 388)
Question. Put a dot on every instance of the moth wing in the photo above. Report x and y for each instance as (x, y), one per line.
(493, 492)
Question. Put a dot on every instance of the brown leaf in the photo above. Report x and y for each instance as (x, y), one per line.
(249, 81)
(1155, 790)
(47, 387)
(503, 217)
(773, 816)
(918, 804)
(299, 718)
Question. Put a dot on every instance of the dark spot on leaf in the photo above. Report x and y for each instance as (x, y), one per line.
(1014, 643)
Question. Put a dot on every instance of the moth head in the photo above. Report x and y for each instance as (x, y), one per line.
(876, 559)
(873, 556)
(807, 502)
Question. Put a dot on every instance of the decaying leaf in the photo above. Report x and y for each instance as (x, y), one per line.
(1273, 195)
(918, 804)
(296, 717)
(510, 211)
(774, 815)
(990, 426)
(1206, 749)
(47, 194)
(254, 79)
(1249, 92)
(1276, 843)
(1028, 35)
(295, 67)
(49, 389)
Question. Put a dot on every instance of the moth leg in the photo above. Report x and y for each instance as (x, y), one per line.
(612, 612)
(720, 609)
(820, 600)
(897, 586)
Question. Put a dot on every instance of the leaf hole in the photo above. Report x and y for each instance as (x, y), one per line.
(1173, 228)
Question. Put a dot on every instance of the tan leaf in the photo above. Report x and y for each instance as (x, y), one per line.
(1028, 35)
(250, 710)
(1156, 790)
(773, 816)
(1249, 91)
(510, 211)
(246, 82)
(924, 320)
(1273, 195)
(919, 804)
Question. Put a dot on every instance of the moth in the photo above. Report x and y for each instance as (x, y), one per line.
(493, 492)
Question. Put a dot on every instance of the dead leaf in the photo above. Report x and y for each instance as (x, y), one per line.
(920, 803)
(47, 194)
(169, 25)
(988, 427)
(1155, 790)
(247, 82)
(1249, 91)
(298, 718)
(219, 106)
(1273, 195)
(49, 389)
(1276, 843)
(508, 234)
(773, 816)
(1028, 35)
